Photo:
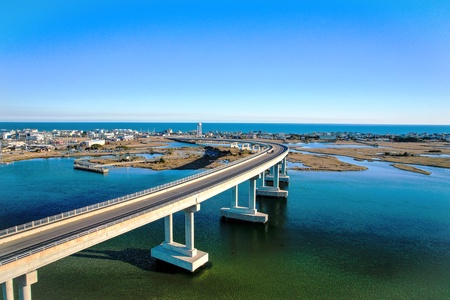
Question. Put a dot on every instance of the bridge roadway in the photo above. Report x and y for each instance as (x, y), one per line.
(29, 241)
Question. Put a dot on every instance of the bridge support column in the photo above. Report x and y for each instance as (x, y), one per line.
(276, 175)
(249, 213)
(183, 256)
(8, 292)
(283, 166)
(168, 229)
(25, 281)
(282, 176)
(189, 229)
(272, 191)
(234, 197)
(263, 178)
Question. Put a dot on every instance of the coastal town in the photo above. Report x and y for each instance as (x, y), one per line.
(403, 151)
(32, 139)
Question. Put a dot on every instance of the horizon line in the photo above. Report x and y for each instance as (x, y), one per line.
(235, 122)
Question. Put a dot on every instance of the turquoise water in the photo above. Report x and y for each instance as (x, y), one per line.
(230, 127)
(327, 145)
(149, 156)
(178, 145)
(30, 190)
(379, 234)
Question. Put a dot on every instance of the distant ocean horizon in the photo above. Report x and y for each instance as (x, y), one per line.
(289, 128)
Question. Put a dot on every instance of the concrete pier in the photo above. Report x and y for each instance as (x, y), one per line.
(270, 191)
(90, 169)
(25, 281)
(282, 176)
(273, 191)
(249, 214)
(8, 292)
(183, 256)
(256, 148)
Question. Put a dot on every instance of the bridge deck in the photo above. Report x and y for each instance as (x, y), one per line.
(26, 248)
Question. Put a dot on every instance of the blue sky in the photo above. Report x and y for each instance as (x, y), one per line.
(366, 62)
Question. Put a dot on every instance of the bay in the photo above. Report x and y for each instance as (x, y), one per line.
(381, 233)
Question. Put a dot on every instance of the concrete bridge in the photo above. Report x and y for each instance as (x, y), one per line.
(26, 248)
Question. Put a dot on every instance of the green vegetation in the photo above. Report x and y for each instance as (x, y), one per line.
(409, 139)
(405, 154)
(96, 147)
(121, 147)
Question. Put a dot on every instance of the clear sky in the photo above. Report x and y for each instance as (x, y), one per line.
(298, 61)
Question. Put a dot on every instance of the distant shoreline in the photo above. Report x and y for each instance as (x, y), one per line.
(288, 128)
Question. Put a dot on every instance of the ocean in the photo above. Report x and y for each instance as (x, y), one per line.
(231, 127)
(383, 233)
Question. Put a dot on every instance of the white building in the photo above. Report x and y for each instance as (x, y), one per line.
(199, 130)
(127, 137)
(108, 135)
(36, 137)
(16, 145)
(94, 142)
(6, 135)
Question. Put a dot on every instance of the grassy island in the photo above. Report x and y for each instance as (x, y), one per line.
(432, 154)
(322, 163)
(410, 169)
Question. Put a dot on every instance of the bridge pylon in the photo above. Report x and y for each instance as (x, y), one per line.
(183, 256)
(8, 291)
(282, 174)
(249, 213)
(24, 283)
(276, 177)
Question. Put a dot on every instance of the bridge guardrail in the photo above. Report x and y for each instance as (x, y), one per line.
(77, 211)
(112, 223)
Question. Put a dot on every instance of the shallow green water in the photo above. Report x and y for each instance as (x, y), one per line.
(382, 233)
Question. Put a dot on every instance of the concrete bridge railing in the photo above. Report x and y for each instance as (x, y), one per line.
(69, 214)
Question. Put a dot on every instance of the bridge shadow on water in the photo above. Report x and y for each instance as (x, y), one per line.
(244, 237)
(200, 163)
(276, 208)
(140, 258)
(211, 156)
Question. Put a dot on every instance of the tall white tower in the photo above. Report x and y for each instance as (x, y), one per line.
(199, 130)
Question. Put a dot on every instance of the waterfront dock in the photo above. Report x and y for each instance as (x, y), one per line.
(90, 168)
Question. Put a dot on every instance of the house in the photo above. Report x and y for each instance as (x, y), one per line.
(94, 142)
(327, 138)
(36, 137)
